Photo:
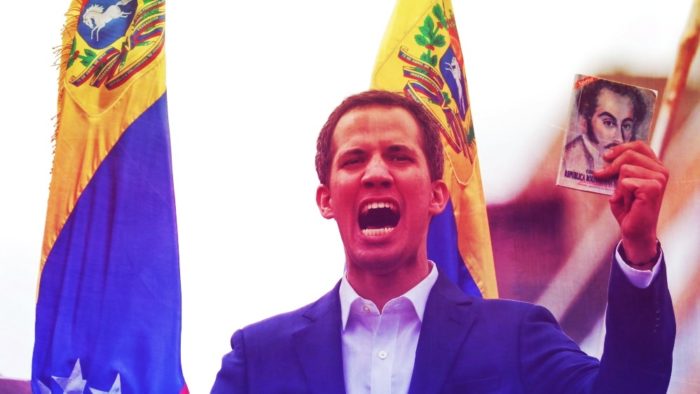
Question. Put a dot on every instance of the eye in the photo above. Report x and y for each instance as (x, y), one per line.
(399, 154)
(401, 158)
(627, 126)
(350, 161)
(608, 122)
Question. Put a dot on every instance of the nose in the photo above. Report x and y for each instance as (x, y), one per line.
(620, 134)
(377, 174)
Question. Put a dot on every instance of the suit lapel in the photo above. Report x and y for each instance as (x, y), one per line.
(319, 347)
(446, 322)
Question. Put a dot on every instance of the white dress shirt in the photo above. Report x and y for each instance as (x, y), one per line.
(379, 347)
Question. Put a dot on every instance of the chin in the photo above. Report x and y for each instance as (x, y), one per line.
(374, 262)
(380, 260)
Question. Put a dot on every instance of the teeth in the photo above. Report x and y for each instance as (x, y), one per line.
(373, 232)
(378, 205)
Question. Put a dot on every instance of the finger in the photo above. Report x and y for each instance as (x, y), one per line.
(637, 146)
(637, 185)
(641, 189)
(621, 199)
(642, 203)
(643, 196)
(636, 149)
(617, 203)
(634, 171)
(633, 157)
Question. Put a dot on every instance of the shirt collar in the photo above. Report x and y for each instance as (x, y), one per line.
(418, 295)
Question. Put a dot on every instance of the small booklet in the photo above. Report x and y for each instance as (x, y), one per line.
(603, 114)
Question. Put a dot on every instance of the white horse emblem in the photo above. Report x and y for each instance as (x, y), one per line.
(96, 17)
(455, 70)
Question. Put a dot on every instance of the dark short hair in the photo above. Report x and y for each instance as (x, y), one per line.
(431, 144)
(588, 99)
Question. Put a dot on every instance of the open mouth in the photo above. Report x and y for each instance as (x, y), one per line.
(378, 218)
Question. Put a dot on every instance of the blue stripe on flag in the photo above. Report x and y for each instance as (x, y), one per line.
(110, 290)
(443, 250)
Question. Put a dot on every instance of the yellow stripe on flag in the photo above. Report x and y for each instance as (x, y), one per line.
(101, 93)
(420, 56)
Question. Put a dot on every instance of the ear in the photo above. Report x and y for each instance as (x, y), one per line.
(323, 201)
(440, 196)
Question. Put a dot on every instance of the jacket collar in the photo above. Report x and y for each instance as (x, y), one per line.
(445, 327)
(319, 347)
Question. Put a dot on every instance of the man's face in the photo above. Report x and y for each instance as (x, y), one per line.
(612, 122)
(380, 192)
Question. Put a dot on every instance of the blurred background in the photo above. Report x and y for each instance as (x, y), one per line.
(249, 86)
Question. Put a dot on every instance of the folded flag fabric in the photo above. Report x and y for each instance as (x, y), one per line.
(108, 314)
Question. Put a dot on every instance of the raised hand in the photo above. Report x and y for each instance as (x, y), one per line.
(636, 203)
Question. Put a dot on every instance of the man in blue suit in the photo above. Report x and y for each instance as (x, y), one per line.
(393, 324)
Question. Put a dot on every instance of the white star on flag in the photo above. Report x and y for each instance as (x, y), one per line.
(74, 384)
(116, 387)
(43, 389)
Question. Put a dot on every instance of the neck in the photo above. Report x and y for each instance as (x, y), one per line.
(382, 287)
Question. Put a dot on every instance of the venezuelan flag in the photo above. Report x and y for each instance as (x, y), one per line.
(108, 314)
(421, 56)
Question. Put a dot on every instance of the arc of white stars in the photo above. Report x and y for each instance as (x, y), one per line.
(75, 384)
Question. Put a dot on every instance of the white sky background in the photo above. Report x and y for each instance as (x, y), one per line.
(249, 86)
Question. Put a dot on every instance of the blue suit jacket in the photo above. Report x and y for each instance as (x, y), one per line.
(468, 345)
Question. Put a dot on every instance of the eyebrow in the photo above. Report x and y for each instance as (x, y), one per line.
(391, 148)
(631, 118)
(399, 148)
(607, 114)
(351, 152)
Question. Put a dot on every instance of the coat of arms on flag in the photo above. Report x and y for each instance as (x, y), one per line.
(115, 40)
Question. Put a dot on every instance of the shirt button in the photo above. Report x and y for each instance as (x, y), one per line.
(365, 308)
(382, 355)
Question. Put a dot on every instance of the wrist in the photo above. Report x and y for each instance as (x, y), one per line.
(640, 256)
